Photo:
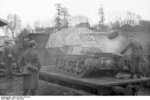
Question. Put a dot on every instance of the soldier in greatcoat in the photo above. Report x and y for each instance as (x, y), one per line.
(31, 67)
(8, 58)
(136, 56)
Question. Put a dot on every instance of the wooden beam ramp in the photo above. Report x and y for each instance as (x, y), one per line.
(96, 86)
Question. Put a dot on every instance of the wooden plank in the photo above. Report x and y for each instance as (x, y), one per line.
(67, 83)
(50, 74)
(97, 81)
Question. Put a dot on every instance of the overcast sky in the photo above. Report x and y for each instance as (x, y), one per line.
(44, 10)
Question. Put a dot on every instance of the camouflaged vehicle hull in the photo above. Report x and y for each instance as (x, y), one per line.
(104, 64)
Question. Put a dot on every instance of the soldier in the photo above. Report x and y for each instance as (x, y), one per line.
(31, 66)
(136, 56)
(148, 58)
(8, 58)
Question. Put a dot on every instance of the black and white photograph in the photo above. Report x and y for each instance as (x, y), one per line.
(74, 48)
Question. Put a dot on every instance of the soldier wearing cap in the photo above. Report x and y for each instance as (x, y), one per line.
(31, 66)
(136, 55)
(8, 58)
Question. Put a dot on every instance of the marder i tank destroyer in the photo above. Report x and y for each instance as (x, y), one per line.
(98, 64)
(83, 55)
(89, 61)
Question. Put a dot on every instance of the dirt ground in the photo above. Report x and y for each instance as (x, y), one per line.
(14, 87)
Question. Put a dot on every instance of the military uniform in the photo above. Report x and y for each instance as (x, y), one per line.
(137, 56)
(30, 59)
(8, 59)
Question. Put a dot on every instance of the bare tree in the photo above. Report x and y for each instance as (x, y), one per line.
(36, 25)
(101, 14)
(58, 15)
(115, 25)
(66, 15)
(132, 18)
(129, 21)
(62, 17)
(79, 19)
(28, 28)
(14, 25)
